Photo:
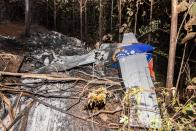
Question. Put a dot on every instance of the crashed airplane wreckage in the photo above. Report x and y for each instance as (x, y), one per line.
(53, 52)
(136, 67)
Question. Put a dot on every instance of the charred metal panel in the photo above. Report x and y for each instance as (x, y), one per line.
(42, 118)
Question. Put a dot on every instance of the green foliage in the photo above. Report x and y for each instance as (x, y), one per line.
(124, 119)
(132, 92)
(177, 116)
(192, 11)
(152, 27)
(193, 81)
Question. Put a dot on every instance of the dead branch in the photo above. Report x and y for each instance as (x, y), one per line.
(93, 76)
(9, 106)
(21, 114)
(18, 101)
(57, 77)
(118, 109)
(24, 121)
(81, 94)
(3, 127)
(27, 93)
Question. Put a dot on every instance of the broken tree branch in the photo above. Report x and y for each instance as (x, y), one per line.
(57, 77)
(81, 94)
(106, 112)
(20, 115)
(27, 93)
(2, 126)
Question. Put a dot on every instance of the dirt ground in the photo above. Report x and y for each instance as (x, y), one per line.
(14, 29)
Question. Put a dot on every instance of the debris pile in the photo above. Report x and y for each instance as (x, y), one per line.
(40, 42)
(56, 81)
(62, 83)
(56, 52)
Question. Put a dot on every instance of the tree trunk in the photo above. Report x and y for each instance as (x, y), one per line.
(100, 20)
(85, 20)
(54, 13)
(137, 8)
(81, 23)
(47, 13)
(27, 18)
(119, 17)
(111, 15)
(172, 48)
(73, 16)
(151, 9)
